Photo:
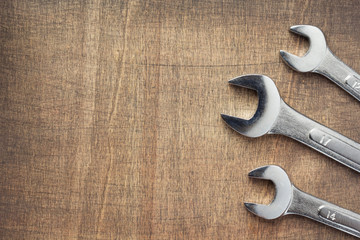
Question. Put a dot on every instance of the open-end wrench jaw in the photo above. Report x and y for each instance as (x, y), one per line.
(267, 110)
(274, 116)
(314, 56)
(283, 195)
(290, 200)
(319, 59)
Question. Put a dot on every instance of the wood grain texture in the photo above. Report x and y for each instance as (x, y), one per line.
(110, 117)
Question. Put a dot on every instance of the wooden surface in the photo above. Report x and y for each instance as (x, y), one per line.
(110, 117)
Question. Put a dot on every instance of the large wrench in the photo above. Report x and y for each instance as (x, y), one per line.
(274, 116)
(291, 200)
(319, 59)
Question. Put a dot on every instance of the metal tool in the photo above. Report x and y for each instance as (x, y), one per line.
(274, 116)
(319, 59)
(291, 200)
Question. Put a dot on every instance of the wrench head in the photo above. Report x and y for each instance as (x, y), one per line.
(283, 194)
(314, 55)
(268, 106)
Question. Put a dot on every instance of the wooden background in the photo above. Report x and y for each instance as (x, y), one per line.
(110, 117)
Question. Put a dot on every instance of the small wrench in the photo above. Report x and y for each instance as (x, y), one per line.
(291, 200)
(274, 116)
(319, 59)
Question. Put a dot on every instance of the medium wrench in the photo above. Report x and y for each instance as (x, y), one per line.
(274, 116)
(290, 200)
(319, 59)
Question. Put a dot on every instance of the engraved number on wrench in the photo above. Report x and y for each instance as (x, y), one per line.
(325, 140)
(331, 216)
(356, 85)
(336, 145)
(353, 81)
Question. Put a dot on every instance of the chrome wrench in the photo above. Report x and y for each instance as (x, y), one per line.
(291, 200)
(319, 59)
(274, 116)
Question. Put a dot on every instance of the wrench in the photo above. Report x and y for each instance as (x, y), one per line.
(274, 116)
(319, 59)
(290, 200)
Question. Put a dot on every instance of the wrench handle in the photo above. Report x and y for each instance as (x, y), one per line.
(322, 211)
(315, 135)
(337, 144)
(340, 73)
